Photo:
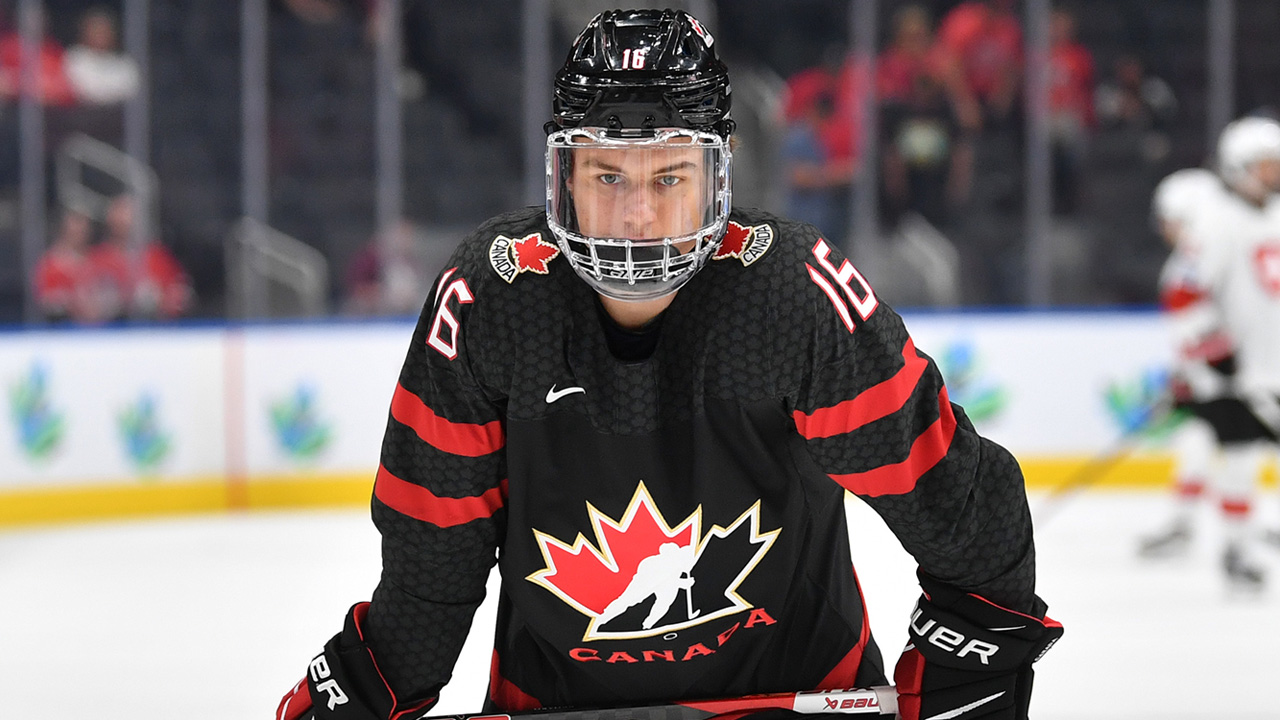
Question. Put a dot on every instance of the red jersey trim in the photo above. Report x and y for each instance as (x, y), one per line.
(421, 504)
(1180, 297)
(469, 439)
(1211, 349)
(1236, 508)
(505, 694)
(877, 401)
(900, 478)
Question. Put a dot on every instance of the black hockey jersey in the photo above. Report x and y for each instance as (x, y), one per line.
(673, 527)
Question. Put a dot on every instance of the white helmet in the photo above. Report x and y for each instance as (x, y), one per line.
(1242, 144)
(1181, 192)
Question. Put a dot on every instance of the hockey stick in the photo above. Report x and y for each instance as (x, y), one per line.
(688, 601)
(1097, 467)
(855, 701)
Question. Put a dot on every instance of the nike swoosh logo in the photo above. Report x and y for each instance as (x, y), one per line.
(962, 710)
(553, 394)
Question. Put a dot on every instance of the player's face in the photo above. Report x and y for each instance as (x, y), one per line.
(1171, 231)
(639, 194)
(1267, 171)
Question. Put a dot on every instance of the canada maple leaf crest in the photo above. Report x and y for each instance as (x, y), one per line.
(643, 576)
(512, 256)
(747, 243)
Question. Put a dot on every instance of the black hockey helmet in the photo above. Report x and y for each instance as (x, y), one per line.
(643, 69)
(643, 101)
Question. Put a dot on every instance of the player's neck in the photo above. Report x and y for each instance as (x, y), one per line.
(635, 315)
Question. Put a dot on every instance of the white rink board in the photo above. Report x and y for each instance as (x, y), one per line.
(90, 379)
(1054, 367)
(350, 372)
(312, 398)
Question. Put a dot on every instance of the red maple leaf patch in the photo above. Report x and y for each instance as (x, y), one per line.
(532, 253)
(735, 240)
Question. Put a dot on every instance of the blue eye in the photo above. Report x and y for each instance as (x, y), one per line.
(611, 179)
(669, 180)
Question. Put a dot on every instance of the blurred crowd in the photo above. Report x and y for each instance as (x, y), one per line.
(92, 71)
(92, 275)
(943, 85)
(949, 143)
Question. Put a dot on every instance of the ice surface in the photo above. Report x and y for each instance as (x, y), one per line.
(215, 617)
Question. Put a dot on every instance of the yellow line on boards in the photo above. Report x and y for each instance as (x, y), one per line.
(76, 503)
(143, 498)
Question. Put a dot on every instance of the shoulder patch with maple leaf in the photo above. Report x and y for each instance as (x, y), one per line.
(747, 243)
(512, 256)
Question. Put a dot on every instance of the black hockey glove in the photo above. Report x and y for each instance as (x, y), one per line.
(968, 658)
(344, 682)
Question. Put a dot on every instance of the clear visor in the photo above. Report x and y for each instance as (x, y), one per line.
(636, 217)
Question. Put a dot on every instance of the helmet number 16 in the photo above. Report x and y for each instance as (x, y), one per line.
(634, 59)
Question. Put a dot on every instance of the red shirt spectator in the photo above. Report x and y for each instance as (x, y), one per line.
(914, 55)
(52, 85)
(158, 290)
(1070, 72)
(838, 79)
(156, 287)
(987, 38)
(63, 281)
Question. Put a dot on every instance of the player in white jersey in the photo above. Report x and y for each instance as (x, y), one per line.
(1228, 264)
(1194, 377)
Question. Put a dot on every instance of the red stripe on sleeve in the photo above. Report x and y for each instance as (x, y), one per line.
(870, 405)
(900, 478)
(469, 439)
(422, 504)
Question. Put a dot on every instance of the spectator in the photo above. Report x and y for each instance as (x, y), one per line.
(913, 52)
(1071, 112)
(836, 80)
(927, 121)
(389, 274)
(52, 86)
(63, 283)
(819, 186)
(99, 73)
(1133, 100)
(928, 155)
(986, 37)
(150, 284)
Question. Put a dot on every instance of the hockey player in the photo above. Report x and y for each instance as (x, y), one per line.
(1197, 372)
(639, 366)
(1228, 269)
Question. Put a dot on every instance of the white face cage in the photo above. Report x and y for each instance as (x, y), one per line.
(637, 216)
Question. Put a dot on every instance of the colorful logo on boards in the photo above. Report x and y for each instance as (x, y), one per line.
(39, 425)
(981, 397)
(1140, 405)
(297, 424)
(145, 443)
